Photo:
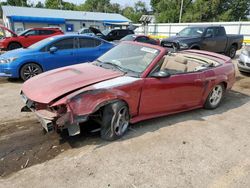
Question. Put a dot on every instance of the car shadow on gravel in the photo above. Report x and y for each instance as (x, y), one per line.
(27, 145)
(10, 80)
(232, 100)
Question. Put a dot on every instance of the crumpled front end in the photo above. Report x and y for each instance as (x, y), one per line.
(53, 118)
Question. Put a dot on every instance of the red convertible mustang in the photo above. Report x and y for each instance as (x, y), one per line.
(131, 82)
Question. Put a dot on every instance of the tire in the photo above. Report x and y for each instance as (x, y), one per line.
(232, 51)
(30, 70)
(115, 121)
(215, 97)
(14, 45)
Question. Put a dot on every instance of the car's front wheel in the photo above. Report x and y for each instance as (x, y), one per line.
(215, 96)
(30, 70)
(13, 46)
(115, 121)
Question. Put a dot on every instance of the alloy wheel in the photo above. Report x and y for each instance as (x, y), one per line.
(122, 121)
(216, 95)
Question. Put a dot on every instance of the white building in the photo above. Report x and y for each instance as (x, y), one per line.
(21, 18)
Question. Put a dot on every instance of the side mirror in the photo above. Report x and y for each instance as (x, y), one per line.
(177, 33)
(161, 74)
(53, 49)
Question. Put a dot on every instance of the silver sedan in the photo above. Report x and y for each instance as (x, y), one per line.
(244, 60)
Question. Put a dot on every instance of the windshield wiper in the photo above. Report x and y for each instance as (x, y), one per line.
(114, 65)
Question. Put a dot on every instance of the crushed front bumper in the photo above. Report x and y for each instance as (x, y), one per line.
(51, 121)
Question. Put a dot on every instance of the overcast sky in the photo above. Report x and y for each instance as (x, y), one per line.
(122, 2)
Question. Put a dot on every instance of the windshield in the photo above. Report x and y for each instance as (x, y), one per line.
(192, 31)
(23, 32)
(128, 38)
(130, 58)
(41, 43)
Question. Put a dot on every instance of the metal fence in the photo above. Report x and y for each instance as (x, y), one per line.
(164, 30)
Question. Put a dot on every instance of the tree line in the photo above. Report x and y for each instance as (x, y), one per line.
(165, 11)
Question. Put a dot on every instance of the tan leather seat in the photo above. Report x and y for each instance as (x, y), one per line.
(174, 65)
(165, 61)
(180, 59)
(191, 66)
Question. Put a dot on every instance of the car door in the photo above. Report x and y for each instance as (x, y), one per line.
(113, 35)
(214, 40)
(89, 49)
(209, 41)
(66, 53)
(175, 93)
(43, 33)
(221, 39)
(30, 37)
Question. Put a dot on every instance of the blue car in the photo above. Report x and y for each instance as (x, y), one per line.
(51, 53)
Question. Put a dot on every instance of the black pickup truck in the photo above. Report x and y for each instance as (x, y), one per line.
(209, 38)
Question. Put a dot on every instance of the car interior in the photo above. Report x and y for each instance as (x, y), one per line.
(182, 63)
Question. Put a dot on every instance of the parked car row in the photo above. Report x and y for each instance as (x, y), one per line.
(54, 51)
(113, 84)
(26, 38)
(51, 53)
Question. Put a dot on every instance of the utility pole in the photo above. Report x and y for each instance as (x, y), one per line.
(60, 4)
(181, 11)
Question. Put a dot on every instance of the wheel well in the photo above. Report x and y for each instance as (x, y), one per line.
(26, 64)
(14, 42)
(235, 44)
(195, 47)
(100, 106)
(224, 84)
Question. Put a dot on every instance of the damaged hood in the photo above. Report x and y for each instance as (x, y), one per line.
(51, 85)
(6, 29)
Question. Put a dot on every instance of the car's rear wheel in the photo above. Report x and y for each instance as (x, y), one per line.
(115, 121)
(215, 97)
(30, 70)
(232, 51)
(14, 45)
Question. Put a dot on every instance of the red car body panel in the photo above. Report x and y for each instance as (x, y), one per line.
(146, 97)
(45, 88)
(24, 40)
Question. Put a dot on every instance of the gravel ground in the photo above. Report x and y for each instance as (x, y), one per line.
(200, 148)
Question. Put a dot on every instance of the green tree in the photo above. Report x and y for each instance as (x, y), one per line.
(59, 4)
(115, 8)
(17, 3)
(135, 13)
(39, 5)
(140, 7)
(95, 6)
(201, 10)
(52, 4)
